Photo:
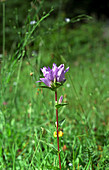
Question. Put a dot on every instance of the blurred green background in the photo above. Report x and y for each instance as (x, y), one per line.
(62, 33)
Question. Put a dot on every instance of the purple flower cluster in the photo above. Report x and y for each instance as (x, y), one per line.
(54, 75)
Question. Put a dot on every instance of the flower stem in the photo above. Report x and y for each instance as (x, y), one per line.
(57, 130)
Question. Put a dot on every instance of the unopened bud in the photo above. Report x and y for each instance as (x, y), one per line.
(60, 100)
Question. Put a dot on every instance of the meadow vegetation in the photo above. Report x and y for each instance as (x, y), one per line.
(27, 115)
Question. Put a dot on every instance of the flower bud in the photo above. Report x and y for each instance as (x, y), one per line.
(60, 100)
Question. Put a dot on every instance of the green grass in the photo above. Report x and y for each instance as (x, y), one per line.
(27, 113)
(27, 121)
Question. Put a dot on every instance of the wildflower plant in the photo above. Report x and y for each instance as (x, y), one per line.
(53, 79)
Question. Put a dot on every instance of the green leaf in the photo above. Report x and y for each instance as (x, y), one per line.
(60, 105)
(61, 122)
(45, 87)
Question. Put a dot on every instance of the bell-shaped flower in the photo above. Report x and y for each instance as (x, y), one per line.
(54, 77)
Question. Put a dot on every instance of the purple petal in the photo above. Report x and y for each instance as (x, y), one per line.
(54, 66)
(50, 75)
(67, 69)
(38, 81)
(44, 70)
(60, 75)
(46, 81)
(49, 69)
(54, 70)
(62, 65)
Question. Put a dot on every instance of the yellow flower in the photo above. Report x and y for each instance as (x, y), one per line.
(60, 134)
(55, 134)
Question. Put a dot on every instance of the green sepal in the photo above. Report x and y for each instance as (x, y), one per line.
(53, 87)
(60, 105)
(45, 87)
(56, 85)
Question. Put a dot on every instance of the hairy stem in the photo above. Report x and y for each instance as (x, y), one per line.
(57, 130)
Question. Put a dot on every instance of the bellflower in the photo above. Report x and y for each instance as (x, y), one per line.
(54, 77)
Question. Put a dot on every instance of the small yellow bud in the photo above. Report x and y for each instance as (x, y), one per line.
(31, 74)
